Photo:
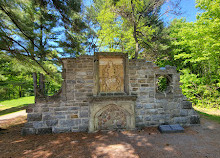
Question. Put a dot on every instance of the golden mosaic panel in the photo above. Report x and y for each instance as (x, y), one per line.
(111, 74)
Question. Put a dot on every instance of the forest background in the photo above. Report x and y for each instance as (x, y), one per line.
(36, 34)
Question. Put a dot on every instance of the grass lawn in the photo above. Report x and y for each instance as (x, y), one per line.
(209, 116)
(14, 105)
(212, 114)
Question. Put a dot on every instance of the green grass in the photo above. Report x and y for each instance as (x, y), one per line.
(211, 117)
(14, 105)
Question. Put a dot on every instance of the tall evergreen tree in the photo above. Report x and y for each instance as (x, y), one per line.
(32, 30)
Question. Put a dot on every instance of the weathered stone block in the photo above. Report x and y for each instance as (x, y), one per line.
(139, 106)
(51, 123)
(46, 109)
(141, 112)
(60, 116)
(61, 129)
(73, 108)
(183, 112)
(34, 117)
(161, 111)
(194, 119)
(135, 85)
(154, 123)
(148, 106)
(44, 130)
(157, 117)
(74, 116)
(186, 105)
(135, 89)
(139, 119)
(171, 128)
(147, 118)
(151, 94)
(28, 125)
(84, 113)
(180, 120)
(61, 109)
(151, 111)
(85, 122)
(142, 81)
(81, 73)
(38, 124)
(27, 131)
(144, 85)
(69, 123)
(175, 112)
(192, 112)
(83, 128)
(47, 117)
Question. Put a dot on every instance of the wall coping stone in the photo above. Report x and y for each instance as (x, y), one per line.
(118, 97)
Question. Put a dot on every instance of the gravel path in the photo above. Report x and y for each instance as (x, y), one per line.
(197, 142)
(12, 116)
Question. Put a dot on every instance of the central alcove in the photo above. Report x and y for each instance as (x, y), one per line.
(112, 107)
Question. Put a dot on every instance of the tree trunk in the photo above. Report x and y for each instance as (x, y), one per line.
(35, 84)
(20, 95)
(137, 45)
(135, 31)
(41, 84)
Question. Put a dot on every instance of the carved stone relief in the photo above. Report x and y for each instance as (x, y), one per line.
(112, 118)
(111, 74)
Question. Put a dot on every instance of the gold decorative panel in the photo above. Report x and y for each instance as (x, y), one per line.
(111, 74)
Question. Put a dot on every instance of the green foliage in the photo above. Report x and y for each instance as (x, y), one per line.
(16, 78)
(196, 51)
(31, 30)
(162, 83)
(33, 36)
(130, 26)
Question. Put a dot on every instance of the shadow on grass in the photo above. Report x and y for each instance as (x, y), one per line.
(211, 117)
(14, 109)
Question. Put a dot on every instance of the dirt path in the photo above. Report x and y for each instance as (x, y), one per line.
(208, 111)
(13, 115)
(197, 142)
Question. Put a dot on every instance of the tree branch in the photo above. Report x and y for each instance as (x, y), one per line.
(29, 54)
(9, 15)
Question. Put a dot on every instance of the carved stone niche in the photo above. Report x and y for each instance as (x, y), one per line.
(111, 73)
(111, 113)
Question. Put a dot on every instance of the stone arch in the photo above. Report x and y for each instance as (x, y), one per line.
(112, 117)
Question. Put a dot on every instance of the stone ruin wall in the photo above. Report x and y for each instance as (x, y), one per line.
(71, 110)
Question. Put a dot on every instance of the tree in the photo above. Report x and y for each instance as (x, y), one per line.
(196, 48)
(133, 26)
(15, 79)
(30, 31)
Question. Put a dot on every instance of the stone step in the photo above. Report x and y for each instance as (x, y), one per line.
(171, 128)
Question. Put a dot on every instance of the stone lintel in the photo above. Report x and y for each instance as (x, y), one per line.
(113, 97)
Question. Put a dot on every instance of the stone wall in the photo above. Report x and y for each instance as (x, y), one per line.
(67, 111)
(70, 109)
(152, 107)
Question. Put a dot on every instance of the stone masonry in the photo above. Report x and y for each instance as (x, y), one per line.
(81, 106)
